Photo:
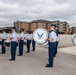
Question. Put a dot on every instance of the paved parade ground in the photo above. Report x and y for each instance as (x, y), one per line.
(34, 63)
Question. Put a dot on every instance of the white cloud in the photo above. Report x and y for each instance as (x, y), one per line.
(25, 10)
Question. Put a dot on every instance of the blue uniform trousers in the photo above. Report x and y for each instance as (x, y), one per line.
(56, 48)
(21, 43)
(33, 45)
(28, 45)
(13, 50)
(51, 52)
(3, 47)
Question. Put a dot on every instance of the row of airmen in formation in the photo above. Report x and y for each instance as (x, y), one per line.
(14, 38)
(52, 49)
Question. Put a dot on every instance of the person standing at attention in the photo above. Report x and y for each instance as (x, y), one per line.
(52, 45)
(29, 38)
(3, 38)
(33, 44)
(21, 42)
(57, 42)
(13, 44)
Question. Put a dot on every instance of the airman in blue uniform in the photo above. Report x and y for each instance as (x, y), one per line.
(57, 42)
(52, 45)
(13, 44)
(4, 37)
(21, 42)
(33, 45)
(29, 38)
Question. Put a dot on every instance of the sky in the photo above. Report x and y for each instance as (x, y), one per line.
(28, 10)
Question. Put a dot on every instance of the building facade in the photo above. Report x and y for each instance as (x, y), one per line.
(62, 27)
(73, 30)
(38, 24)
(0, 30)
(20, 24)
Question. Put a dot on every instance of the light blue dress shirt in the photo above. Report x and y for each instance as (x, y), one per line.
(4, 36)
(53, 36)
(14, 35)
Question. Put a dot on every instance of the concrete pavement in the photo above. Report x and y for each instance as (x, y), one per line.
(68, 50)
(34, 63)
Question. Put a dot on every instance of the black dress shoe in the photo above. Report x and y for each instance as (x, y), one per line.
(49, 65)
(27, 52)
(12, 59)
(19, 55)
(2, 53)
(32, 50)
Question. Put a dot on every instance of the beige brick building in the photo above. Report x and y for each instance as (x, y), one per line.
(20, 24)
(33, 26)
(73, 30)
(0, 30)
(70, 30)
(62, 27)
(38, 24)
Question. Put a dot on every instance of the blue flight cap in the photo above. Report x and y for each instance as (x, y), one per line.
(53, 25)
(14, 28)
(22, 29)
